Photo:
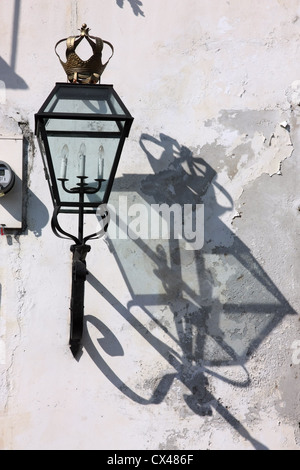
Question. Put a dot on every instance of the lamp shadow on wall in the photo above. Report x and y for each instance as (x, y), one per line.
(35, 213)
(7, 72)
(135, 5)
(10, 78)
(221, 302)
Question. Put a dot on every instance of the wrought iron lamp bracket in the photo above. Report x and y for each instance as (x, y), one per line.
(79, 273)
(65, 115)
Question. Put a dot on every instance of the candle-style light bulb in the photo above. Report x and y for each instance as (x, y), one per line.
(82, 154)
(64, 161)
(101, 162)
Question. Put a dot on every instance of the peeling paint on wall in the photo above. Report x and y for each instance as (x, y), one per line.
(183, 349)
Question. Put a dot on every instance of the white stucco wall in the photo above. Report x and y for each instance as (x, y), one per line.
(183, 349)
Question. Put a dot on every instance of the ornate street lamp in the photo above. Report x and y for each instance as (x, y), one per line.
(81, 129)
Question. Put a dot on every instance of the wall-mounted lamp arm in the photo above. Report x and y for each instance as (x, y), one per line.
(79, 273)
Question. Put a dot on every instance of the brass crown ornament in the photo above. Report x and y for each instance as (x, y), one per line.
(84, 71)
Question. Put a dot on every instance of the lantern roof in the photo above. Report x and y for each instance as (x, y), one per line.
(83, 101)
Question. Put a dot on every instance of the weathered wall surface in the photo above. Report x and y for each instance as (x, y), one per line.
(185, 347)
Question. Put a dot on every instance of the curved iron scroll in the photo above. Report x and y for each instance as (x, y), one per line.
(61, 233)
(57, 230)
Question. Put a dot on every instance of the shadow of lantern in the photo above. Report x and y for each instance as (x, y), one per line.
(218, 303)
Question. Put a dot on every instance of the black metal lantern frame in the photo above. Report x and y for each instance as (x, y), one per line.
(80, 118)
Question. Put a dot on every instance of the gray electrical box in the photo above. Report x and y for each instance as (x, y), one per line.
(11, 182)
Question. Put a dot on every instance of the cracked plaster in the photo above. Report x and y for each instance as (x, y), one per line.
(182, 349)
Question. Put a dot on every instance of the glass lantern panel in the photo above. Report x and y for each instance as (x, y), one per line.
(75, 156)
(80, 126)
(71, 99)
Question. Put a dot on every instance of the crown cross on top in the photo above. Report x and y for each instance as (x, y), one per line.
(84, 71)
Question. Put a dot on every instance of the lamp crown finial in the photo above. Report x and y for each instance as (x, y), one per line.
(84, 31)
(84, 71)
